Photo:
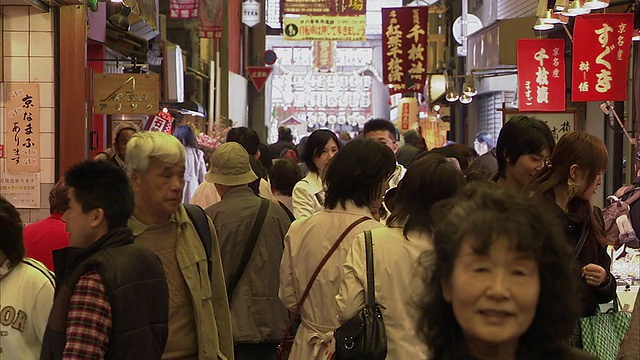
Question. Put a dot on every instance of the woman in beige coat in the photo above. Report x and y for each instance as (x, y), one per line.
(355, 179)
(396, 249)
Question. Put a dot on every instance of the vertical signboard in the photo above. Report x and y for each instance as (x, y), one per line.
(22, 121)
(404, 47)
(601, 46)
(541, 79)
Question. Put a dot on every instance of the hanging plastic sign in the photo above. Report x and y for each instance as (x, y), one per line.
(250, 13)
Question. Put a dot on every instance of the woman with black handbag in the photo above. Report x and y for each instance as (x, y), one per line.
(316, 246)
(397, 248)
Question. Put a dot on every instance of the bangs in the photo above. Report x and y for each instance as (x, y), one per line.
(485, 229)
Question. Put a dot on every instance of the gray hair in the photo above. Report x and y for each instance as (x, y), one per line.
(147, 144)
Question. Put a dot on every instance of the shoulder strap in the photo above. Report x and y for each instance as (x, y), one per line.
(325, 259)
(199, 219)
(250, 246)
(371, 287)
(286, 209)
(298, 308)
(583, 238)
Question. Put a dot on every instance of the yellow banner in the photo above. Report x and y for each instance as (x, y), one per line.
(345, 28)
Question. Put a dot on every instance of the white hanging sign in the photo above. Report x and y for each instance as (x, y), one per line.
(250, 13)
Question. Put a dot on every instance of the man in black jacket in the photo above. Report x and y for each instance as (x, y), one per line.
(112, 300)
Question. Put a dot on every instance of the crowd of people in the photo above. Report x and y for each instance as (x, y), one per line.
(491, 252)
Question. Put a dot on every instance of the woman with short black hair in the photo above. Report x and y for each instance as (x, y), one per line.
(308, 194)
(356, 179)
(397, 249)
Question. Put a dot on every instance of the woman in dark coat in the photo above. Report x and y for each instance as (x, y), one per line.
(567, 184)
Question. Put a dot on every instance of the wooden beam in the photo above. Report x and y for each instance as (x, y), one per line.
(72, 134)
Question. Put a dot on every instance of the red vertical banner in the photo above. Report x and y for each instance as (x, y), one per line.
(210, 13)
(601, 46)
(404, 47)
(541, 77)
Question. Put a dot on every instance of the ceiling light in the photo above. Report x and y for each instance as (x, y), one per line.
(469, 87)
(550, 18)
(541, 26)
(121, 19)
(596, 4)
(574, 9)
(452, 96)
(465, 99)
(560, 5)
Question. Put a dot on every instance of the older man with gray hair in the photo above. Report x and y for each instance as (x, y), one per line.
(251, 231)
(199, 319)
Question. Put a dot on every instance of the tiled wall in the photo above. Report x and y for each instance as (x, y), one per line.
(27, 56)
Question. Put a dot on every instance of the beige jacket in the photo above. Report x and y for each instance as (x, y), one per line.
(307, 242)
(308, 196)
(398, 287)
(209, 295)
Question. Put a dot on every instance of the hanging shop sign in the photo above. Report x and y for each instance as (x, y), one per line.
(324, 7)
(559, 123)
(541, 79)
(22, 124)
(345, 28)
(126, 93)
(323, 55)
(324, 20)
(408, 110)
(183, 9)
(601, 46)
(404, 47)
(251, 13)
(210, 25)
(322, 99)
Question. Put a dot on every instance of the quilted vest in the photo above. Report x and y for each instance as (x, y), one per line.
(135, 285)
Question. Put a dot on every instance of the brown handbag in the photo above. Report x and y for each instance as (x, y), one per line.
(284, 348)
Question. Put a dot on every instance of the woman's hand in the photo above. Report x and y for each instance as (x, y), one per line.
(595, 275)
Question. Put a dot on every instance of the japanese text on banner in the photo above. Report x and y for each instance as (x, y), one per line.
(22, 119)
(541, 75)
(404, 47)
(324, 7)
(601, 47)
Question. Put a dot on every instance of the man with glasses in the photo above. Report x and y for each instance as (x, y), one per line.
(384, 132)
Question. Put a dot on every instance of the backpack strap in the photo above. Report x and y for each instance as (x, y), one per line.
(250, 246)
(199, 219)
(631, 195)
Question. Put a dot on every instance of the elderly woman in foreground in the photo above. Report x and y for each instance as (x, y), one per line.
(498, 286)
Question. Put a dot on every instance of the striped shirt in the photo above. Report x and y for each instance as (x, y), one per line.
(89, 321)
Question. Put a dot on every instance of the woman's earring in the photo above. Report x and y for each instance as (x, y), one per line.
(573, 188)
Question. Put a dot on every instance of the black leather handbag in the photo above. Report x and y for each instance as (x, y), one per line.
(363, 336)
